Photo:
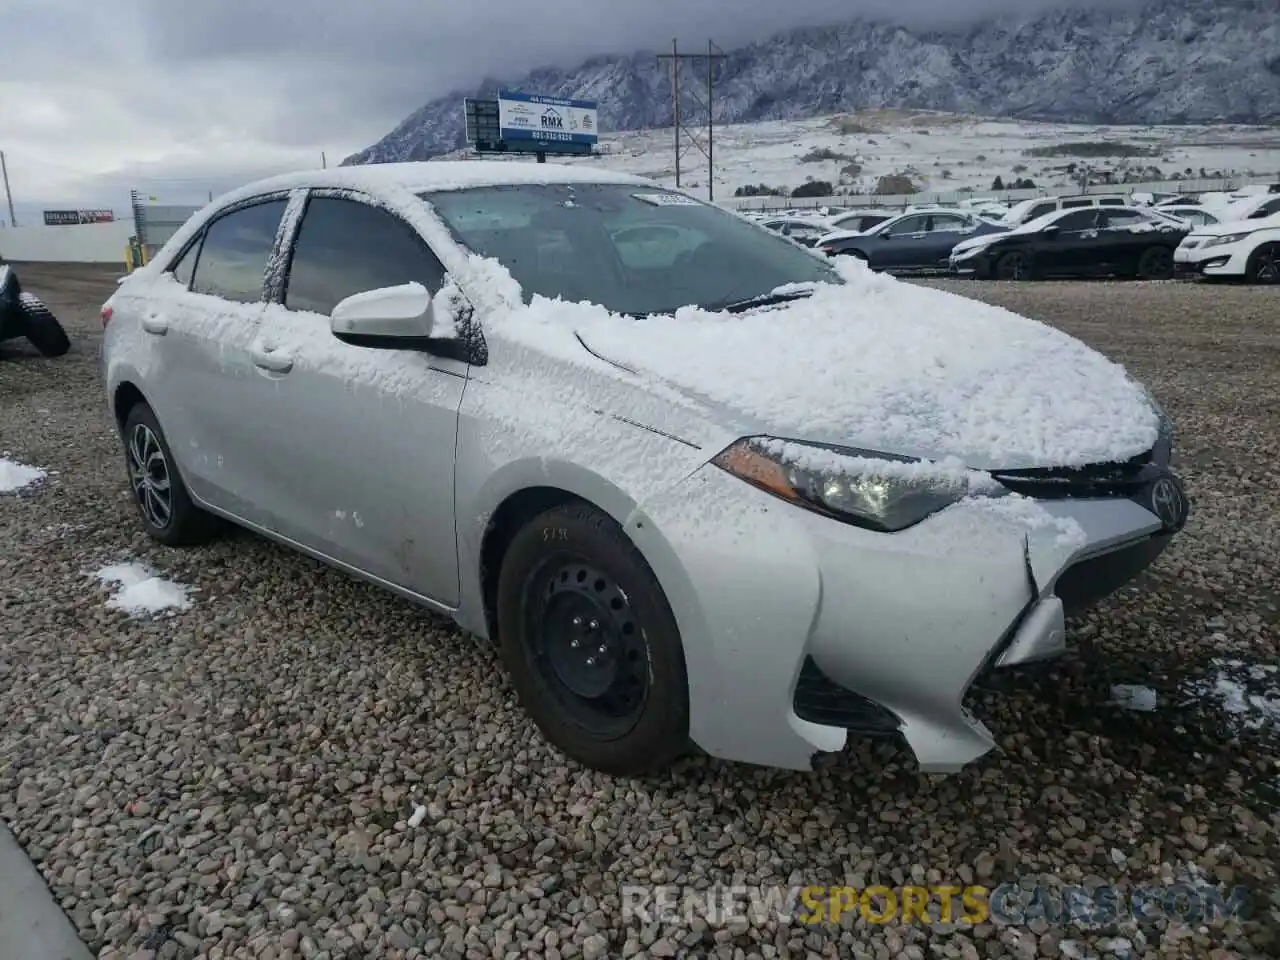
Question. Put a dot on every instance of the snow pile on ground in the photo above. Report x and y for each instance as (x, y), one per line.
(17, 476)
(142, 592)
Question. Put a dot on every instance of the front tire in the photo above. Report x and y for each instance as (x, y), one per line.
(1156, 263)
(41, 327)
(591, 645)
(161, 497)
(1264, 265)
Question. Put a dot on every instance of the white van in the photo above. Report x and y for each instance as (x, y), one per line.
(1027, 210)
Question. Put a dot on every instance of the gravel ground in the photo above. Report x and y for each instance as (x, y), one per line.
(234, 780)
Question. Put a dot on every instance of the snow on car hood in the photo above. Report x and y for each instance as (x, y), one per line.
(1226, 227)
(887, 366)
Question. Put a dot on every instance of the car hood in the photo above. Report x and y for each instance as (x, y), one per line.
(840, 235)
(882, 365)
(1226, 227)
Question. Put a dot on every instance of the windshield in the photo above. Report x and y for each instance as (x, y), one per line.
(632, 249)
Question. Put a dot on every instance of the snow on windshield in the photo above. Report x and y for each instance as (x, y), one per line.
(634, 251)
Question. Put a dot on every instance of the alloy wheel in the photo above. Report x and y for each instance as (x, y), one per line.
(149, 476)
(1268, 269)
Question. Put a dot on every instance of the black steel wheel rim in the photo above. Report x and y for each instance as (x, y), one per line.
(587, 645)
(1268, 270)
(149, 476)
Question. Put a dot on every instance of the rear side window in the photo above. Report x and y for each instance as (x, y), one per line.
(1112, 202)
(346, 247)
(233, 258)
(1080, 220)
(1040, 209)
(185, 265)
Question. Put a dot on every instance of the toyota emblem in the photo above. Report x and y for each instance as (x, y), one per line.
(1168, 503)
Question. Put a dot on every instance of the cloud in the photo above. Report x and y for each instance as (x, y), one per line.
(181, 98)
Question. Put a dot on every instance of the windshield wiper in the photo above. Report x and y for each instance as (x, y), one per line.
(763, 300)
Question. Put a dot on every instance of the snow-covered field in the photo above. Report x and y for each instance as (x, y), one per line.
(940, 152)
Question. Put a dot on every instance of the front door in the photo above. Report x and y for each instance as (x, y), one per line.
(361, 451)
(903, 245)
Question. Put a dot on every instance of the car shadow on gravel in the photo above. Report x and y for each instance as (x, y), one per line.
(1186, 733)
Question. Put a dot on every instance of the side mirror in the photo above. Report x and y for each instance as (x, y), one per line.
(397, 318)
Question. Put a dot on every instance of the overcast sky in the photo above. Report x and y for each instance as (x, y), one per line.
(179, 97)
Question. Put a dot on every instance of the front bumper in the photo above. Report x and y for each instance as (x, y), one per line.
(1228, 260)
(799, 630)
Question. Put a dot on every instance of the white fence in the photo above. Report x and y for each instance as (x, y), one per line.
(79, 243)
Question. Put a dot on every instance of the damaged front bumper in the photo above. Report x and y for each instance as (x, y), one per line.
(800, 630)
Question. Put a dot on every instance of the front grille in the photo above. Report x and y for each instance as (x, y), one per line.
(819, 699)
(1097, 480)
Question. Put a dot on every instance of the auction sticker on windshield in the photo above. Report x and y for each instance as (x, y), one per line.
(667, 199)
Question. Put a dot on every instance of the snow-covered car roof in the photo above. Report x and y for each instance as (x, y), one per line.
(423, 176)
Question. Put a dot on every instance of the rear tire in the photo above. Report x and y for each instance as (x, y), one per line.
(1156, 263)
(1264, 265)
(1014, 265)
(167, 512)
(41, 327)
(591, 645)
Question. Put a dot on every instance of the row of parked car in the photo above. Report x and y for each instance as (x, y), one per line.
(1211, 236)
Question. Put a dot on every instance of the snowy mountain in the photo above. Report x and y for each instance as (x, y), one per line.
(1165, 61)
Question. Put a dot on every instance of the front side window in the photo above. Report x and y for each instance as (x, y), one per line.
(346, 247)
(1073, 204)
(631, 248)
(1039, 210)
(909, 225)
(233, 258)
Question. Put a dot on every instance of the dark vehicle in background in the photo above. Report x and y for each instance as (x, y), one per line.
(25, 315)
(913, 242)
(1091, 242)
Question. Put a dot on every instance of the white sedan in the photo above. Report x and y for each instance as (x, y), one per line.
(700, 485)
(1241, 249)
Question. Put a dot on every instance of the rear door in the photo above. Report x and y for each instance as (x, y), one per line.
(945, 231)
(1074, 248)
(359, 453)
(205, 330)
(1123, 235)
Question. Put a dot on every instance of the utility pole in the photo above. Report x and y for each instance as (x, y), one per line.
(324, 163)
(682, 132)
(8, 195)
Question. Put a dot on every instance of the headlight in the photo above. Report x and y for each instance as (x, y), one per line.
(973, 251)
(878, 491)
(1223, 241)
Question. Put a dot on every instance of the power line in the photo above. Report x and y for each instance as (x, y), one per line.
(713, 55)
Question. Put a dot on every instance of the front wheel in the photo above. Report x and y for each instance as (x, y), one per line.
(168, 513)
(591, 645)
(1264, 265)
(1156, 263)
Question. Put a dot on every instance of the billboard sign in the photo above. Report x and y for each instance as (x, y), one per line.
(550, 120)
(62, 218)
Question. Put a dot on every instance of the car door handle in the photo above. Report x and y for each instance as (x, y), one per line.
(265, 358)
(155, 325)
